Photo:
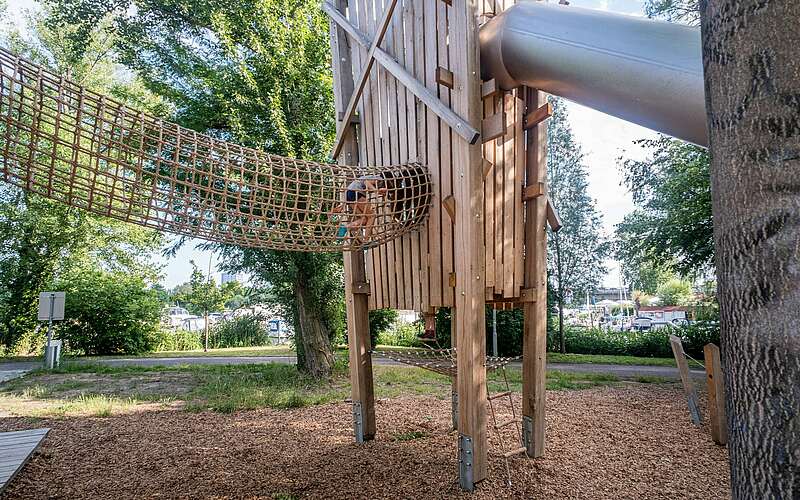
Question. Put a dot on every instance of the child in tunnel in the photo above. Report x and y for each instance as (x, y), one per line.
(356, 197)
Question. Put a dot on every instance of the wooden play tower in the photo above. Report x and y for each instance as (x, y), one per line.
(408, 88)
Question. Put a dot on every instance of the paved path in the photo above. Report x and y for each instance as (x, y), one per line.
(13, 369)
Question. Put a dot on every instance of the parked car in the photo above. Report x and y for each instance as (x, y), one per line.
(641, 323)
(193, 324)
(174, 316)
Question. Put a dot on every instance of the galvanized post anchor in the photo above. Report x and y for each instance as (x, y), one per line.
(465, 461)
(527, 434)
(358, 421)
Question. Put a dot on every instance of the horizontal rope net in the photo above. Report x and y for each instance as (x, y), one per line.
(443, 361)
(86, 150)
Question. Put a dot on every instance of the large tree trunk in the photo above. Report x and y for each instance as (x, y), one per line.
(752, 72)
(316, 356)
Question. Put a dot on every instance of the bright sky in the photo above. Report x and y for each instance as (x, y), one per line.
(603, 138)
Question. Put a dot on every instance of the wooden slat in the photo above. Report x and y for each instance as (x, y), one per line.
(716, 394)
(499, 203)
(362, 79)
(688, 386)
(538, 115)
(488, 198)
(459, 124)
(509, 182)
(444, 77)
(490, 89)
(553, 220)
(519, 181)
(533, 191)
(432, 133)
(446, 141)
(493, 126)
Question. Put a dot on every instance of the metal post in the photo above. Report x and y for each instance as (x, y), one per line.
(494, 332)
(49, 358)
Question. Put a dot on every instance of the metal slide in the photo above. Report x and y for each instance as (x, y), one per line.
(643, 71)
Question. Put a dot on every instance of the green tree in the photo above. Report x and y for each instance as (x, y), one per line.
(42, 239)
(675, 292)
(676, 11)
(108, 312)
(672, 226)
(258, 73)
(576, 252)
(203, 296)
(646, 276)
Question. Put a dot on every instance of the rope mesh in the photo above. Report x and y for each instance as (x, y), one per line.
(443, 361)
(86, 150)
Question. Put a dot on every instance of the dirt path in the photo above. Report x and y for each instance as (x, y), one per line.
(630, 442)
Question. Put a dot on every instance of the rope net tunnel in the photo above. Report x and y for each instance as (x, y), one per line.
(87, 150)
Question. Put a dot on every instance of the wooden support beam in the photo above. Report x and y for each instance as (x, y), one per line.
(553, 220)
(487, 167)
(535, 190)
(716, 395)
(493, 126)
(534, 334)
(459, 125)
(361, 288)
(449, 204)
(490, 88)
(444, 77)
(469, 305)
(362, 392)
(528, 295)
(355, 119)
(448, 2)
(383, 26)
(538, 115)
(688, 386)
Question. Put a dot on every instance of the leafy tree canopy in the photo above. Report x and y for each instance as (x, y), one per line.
(672, 227)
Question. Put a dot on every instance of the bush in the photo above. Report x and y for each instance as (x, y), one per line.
(108, 313)
(178, 340)
(380, 321)
(244, 331)
(651, 343)
(404, 335)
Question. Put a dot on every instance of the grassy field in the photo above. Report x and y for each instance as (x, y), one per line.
(101, 390)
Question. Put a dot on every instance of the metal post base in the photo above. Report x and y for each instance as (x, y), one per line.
(465, 461)
(358, 421)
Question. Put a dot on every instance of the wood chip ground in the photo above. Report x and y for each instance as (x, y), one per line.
(615, 442)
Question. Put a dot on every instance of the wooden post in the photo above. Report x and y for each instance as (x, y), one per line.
(357, 304)
(469, 311)
(534, 336)
(716, 395)
(688, 386)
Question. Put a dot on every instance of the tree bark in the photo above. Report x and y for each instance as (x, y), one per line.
(752, 75)
(317, 357)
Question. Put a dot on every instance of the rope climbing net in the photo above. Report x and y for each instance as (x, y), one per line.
(443, 361)
(69, 144)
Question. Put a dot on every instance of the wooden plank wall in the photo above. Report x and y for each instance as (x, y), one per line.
(414, 272)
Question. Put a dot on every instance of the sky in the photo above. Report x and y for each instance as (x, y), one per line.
(603, 139)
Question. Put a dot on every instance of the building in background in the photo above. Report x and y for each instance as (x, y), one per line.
(227, 278)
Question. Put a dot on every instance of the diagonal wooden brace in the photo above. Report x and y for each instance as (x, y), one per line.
(459, 125)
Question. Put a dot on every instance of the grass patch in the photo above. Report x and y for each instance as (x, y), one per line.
(607, 359)
(408, 436)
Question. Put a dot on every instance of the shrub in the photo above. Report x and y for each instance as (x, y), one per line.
(380, 321)
(244, 331)
(404, 335)
(108, 313)
(651, 343)
(177, 340)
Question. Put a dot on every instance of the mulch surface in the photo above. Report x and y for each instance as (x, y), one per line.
(615, 442)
